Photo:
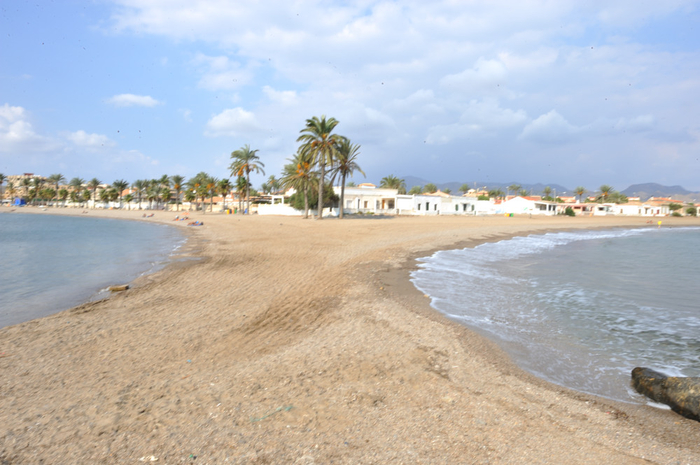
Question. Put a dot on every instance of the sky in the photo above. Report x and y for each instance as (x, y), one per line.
(566, 92)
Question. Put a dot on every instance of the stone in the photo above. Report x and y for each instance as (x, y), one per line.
(682, 394)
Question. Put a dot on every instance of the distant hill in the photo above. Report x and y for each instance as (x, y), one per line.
(650, 189)
(454, 186)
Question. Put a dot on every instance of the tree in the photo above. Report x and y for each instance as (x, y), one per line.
(104, 196)
(63, 195)
(321, 146)
(178, 182)
(495, 193)
(464, 188)
(198, 185)
(224, 187)
(25, 183)
(245, 160)
(10, 189)
(273, 184)
(86, 196)
(393, 182)
(298, 175)
(165, 195)
(416, 190)
(38, 183)
(605, 191)
(120, 185)
(691, 211)
(56, 179)
(211, 189)
(345, 165)
(93, 184)
(547, 191)
(128, 198)
(241, 189)
(430, 188)
(580, 190)
(190, 197)
(513, 187)
(2, 181)
(140, 185)
(523, 193)
(448, 191)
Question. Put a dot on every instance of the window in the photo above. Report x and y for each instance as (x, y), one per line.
(418, 207)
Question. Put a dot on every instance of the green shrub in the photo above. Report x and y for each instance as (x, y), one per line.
(569, 211)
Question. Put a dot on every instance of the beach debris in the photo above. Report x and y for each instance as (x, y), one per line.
(119, 288)
(278, 409)
(682, 394)
(148, 458)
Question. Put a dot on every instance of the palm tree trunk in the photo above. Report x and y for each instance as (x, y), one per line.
(342, 195)
(320, 188)
(247, 192)
(306, 202)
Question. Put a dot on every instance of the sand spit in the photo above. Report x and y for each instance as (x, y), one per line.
(302, 341)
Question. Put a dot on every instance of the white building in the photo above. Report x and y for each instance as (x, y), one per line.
(527, 205)
(368, 198)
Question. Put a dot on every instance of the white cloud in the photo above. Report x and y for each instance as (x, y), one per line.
(131, 100)
(90, 141)
(550, 128)
(17, 134)
(484, 74)
(284, 97)
(221, 73)
(186, 114)
(232, 122)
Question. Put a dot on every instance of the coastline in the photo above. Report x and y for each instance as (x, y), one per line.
(313, 330)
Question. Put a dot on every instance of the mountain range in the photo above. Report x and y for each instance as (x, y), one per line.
(643, 191)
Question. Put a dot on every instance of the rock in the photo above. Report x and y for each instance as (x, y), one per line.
(681, 394)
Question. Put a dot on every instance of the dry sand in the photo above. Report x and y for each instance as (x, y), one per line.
(302, 341)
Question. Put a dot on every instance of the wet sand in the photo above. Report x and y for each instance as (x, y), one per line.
(303, 341)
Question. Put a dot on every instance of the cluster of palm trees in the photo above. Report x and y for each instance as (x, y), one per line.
(321, 156)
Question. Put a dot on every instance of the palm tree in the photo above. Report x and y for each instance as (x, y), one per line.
(140, 186)
(546, 191)
(321, 145)
(495, 193)
(178, 182)
(153, 194)
(190, 196)
(165, 195)
(197, 185)
(93, 184)
(513, 187)
(345, 165)
(605, 191)
(580, 190)
(430, 188)
(104, 196)
(128, 198)
(464, 188)
(56, 179)
(523, 192)
(298, 175)
(86, 196)
(10, 189)
(393, 182)
(273, 183)
(241, 187)
(120, 185)
(2, 181)
(76, 185)
(211, 189)
(245, 161)
(25, 183)
(37, 182)
(63, 195)
(224, 187)
(416, 190)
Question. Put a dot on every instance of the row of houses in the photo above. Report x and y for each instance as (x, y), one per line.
(368, 199)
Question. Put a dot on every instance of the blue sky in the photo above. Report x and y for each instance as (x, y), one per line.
(496, 91)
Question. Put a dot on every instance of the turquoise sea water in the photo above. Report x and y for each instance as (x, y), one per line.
(52, 263)
(580, 309)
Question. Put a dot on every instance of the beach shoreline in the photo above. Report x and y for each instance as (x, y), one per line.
(302, 341)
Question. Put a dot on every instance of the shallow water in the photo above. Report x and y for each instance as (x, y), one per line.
(52, 263)
(580, 309)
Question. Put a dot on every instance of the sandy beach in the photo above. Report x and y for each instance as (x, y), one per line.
(291, 341)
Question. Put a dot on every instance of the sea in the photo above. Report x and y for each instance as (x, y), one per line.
(52, 263)
(579, 309)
